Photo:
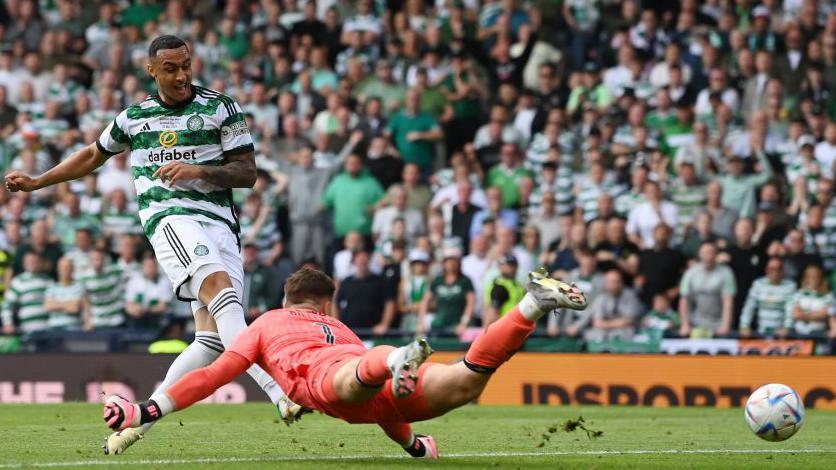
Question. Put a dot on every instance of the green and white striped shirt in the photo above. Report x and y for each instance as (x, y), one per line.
(689, 200)
(106, 293)
(60, 292)
(25, 299)
(770, 302)
(203, 131)
(810, 301)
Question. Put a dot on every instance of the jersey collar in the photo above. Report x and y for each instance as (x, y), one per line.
(181, 104)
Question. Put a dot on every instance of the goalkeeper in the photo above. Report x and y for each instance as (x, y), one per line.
(323, 365)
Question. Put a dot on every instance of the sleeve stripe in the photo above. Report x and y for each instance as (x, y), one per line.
(104, 150)
(239, 150)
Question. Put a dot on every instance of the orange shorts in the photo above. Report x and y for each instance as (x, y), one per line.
(382, 408)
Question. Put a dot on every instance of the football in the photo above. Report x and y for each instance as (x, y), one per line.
(774, 412)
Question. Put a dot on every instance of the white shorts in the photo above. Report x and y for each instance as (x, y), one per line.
(184, 245)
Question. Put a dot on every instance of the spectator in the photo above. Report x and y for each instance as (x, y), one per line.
(706, 296)
(451, 297)
(304, 180)
(796, 259)
(23, 304)
(722, 218)
(615, 310)
(352, 195)
(812, 306)
(660, 267)
(342, 265)
(739, 189)
(586, 277)
(768, 301)
(105, 292)
(384, 217)
(412, 290)
(64, 299)
(259, 284)
(746, 260)
(361, 302)
(463, 211)
(383, 162)
(503, 292)
(414, 133)
(39, 243)
(661, 321)
(258, 227)
(507, 175)
(418, 194)
(148, 296)
(495, 211)
(645, 217)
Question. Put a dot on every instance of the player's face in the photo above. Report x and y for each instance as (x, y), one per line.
(172, 70)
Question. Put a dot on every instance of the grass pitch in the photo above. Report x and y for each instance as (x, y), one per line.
(250, 436)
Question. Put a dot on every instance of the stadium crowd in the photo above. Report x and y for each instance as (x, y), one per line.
(674, 159)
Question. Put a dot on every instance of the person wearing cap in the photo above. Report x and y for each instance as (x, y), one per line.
(450, 295)
(590, 90)
(762, 37)
(412, 290)
(739, 188)
(503, 292)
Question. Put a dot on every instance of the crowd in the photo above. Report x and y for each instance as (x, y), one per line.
(676, 160)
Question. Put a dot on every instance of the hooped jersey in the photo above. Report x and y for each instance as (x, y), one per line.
(203, 131)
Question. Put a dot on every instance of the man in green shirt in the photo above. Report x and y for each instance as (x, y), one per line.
(508, 174)
(453, 295)
(352, 196)
(415, 133)
(739, 188)
(382, 85)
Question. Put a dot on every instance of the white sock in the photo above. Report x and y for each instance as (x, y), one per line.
(529, 309)
(205, 348)
(228, 313)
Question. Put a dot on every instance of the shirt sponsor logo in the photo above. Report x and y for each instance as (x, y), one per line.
(170, 155)
(236, 129)
(168, 139)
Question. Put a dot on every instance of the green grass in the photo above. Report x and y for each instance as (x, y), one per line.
(249, 436)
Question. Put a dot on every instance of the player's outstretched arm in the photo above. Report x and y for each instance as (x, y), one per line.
(239, 171)
(80, 163)
(198, 384)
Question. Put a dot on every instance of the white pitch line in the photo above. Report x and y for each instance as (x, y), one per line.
(337, 458)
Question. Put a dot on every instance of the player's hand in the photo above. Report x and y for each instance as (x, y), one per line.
(174, 172)
(119, 413)
(17, 181)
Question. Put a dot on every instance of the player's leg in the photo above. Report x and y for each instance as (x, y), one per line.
(446, 387)
(359, 379)
(219, 285)
(205, 348)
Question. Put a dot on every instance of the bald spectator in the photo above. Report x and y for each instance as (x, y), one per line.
(384, 217)
(615, 310)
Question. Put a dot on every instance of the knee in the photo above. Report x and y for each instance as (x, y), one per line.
(214, 283)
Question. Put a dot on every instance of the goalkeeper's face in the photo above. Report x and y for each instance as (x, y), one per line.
(172, 70)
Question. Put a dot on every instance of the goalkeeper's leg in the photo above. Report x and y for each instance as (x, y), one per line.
(445, 387)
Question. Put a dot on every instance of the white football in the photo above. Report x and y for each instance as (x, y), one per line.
(774, 412)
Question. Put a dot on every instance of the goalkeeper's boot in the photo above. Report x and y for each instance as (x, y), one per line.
(423, 448)
(118, 442)
(404, 363)
(290, 412)
(551, 294)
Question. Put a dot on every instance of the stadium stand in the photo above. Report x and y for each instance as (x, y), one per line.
(675, 159)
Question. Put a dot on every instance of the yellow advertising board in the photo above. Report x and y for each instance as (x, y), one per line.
(653, 380)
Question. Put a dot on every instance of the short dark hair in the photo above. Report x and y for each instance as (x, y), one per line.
(166, 41)
(308, 285)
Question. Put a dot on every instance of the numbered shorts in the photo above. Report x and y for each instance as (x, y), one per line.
(189, 250)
